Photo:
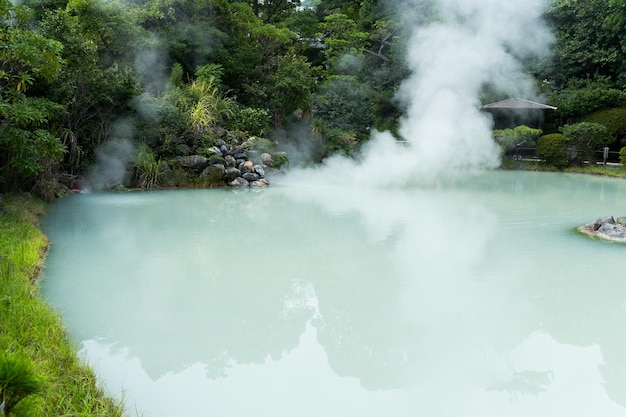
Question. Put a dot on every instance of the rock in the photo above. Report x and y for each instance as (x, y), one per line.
(266, 159)
(216, 150)
(259, 170)
(251, 176)
(214, 173)
(232, 173)
(612, 231)
(603, 220)
(246, 166)
(262, 183)
(196, 162)
(621, 221)
(230, 161)
(183, 149)
(239, 182)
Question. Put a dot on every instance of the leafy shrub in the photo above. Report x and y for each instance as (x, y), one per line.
(585, 96)
(508, 139)
(587, 137)
(552, 149)
(149, 170)
(613, 119)
(622, 156)
(252, 121)
(280, 159)
(343, 103)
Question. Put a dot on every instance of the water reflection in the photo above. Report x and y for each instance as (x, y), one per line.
(329, 301)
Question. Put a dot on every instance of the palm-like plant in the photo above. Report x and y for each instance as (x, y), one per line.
(149, 169)
(211, 106)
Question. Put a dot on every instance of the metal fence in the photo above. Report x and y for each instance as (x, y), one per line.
(530, 153)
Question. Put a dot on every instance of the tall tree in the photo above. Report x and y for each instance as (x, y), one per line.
(590, 39)
(28, 144)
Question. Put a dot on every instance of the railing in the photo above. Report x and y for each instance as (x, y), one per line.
(530, 153)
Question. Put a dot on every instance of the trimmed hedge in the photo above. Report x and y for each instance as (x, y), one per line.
(552, 149)
(613, 119)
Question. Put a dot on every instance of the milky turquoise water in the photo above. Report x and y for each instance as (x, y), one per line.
(467, 298)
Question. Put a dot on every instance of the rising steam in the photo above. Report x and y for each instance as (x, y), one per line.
(457, 48)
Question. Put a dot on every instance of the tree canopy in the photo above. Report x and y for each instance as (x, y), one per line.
(74, 71)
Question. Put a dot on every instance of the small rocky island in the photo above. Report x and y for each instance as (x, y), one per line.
(607, 227)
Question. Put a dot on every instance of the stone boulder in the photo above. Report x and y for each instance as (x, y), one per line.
(195, 162)
(606, 227)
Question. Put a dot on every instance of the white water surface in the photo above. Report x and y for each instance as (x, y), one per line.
(474, 297)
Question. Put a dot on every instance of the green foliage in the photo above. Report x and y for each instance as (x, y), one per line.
(585, 96)
(342, 103)
(337, 141)
(18, 380)
(280, 159)
(622, 156)
(208, 107)
(176, 76)
(587, 137)
(211, 73)
(508, 139)
(32, 328)
(613, 119)
(149, 170)
(293, 83)
(589, 40)
(552, 149)
(261, 144)
(252, 121)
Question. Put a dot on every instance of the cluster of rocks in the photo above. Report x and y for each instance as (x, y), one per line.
(607, 227)
(231, 164)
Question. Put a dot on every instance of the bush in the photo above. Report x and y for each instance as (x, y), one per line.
(585, 96)
(613, 119)
(508, 139)
(622, 156)
(149, 170)
(587, 138)
(552, 149)
(252, 121)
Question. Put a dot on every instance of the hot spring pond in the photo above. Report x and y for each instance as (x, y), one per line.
(470, 298)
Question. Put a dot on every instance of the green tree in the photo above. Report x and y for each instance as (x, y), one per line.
(589, 40)
(273, 11)
(93, 92)
(292, 83)
(29, 147)
(252, 55)
(341, 36)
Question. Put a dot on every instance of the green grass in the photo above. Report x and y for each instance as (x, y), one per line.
(607, 171)
(31, 328)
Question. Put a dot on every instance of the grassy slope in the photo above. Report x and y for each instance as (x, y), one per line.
(29, 325)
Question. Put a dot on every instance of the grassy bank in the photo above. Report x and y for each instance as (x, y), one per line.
(30, 327)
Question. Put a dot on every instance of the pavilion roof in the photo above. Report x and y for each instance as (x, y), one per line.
(517, 103)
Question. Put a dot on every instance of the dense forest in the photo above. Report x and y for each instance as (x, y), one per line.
(150, 81)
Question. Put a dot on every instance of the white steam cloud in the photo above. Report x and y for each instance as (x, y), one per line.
(113, 158)
(456, 49)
